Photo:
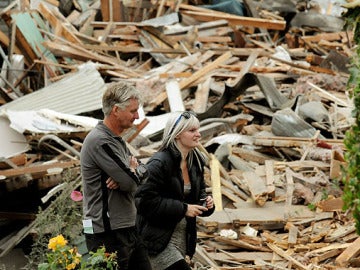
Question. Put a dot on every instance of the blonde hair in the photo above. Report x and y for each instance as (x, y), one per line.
(177, 123)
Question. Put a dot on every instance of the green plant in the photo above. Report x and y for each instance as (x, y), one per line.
(351, 171)
(63, 216)
(63, 256)
(100, 260)
(312, 206)
(324, 194)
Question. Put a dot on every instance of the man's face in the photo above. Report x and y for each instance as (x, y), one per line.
(127, 116)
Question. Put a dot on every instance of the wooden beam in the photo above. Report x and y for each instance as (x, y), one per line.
(56, 23)
(203, 14)
(283, 254)
(349, 253)
(216, 182)
(42, 168)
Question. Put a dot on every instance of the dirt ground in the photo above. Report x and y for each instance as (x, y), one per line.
(14, 260)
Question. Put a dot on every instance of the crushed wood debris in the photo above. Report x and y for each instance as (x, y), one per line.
(268, 80)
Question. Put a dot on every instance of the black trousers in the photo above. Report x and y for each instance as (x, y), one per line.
(131, 252)
(179, 265)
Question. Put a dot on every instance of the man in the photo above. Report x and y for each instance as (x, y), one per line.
(110, 177)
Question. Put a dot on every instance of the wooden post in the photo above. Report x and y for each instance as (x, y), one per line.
(216, 182)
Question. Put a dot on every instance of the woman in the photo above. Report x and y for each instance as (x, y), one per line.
(170, 200)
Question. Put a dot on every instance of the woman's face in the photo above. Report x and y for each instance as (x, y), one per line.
(189, 139)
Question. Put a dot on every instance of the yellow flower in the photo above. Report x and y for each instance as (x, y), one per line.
(77, 259)
(71, 266)
(57, 241)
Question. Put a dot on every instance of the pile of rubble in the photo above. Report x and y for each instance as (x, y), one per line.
(266, 78)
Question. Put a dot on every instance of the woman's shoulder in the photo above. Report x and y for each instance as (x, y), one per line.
(162, 159)
(162, 155)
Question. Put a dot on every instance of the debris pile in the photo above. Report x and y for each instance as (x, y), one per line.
(266, 78)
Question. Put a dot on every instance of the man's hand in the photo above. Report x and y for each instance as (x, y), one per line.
(111, 184)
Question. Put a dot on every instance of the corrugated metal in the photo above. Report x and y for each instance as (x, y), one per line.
(76, 93)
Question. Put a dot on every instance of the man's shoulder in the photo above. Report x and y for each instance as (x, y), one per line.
(97, 133)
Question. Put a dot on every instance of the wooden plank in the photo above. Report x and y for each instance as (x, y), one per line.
(12, 46)
(225, 178)
(283, 254)
(201, 96)
(269, 170)
(340, 232)
(257, 187)
(117, 13)
(327, 36)
(263, 216)
(203, 14)
(149, 40)
(331, 204)
(137, 49)
(170, 41)
(230, 195)
(79, 53)
(325, 256)
(205, 70)
(160, 8)
(289, 190)
(17, 160)
(241, 244)
(197, 75)
(42, 168)
(21, 43)
(251, 155)
(30, 38)
(106, 32)
(236, 20)
(270, 237)
(174, 96)
(209, 39)
(239, 163)
(293, 141)
(301, 165)
(293, 233)
(216, 182)
(244, 256)
(56, 23)
(329, 247)
(105, 10)
(88, 30)
(112, 11)
(201, 252)
(328, 96)
(246, 68)
(16, 238)
(350, 252)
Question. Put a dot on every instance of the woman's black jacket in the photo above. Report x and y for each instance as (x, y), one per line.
(161, 204)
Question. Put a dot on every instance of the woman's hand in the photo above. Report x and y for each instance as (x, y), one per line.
(194, 210)
(133, 163)
(209, 202)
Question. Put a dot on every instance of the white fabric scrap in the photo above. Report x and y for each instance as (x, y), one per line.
(48, 121)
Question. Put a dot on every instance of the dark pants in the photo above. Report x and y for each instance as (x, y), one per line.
(131, 252)
(179, 265)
